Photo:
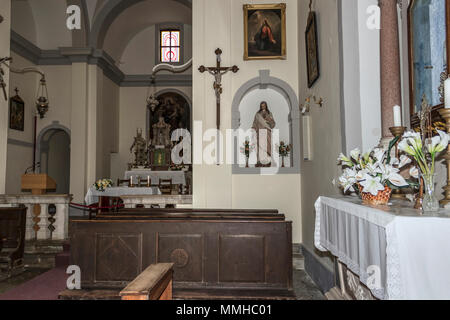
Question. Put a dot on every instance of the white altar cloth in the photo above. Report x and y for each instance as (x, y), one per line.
(411, 250)
(92, 196)
(178, 177)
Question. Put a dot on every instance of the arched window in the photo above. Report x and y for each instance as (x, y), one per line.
(170, 48)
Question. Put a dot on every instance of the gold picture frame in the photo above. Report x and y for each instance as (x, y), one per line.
(269, 19)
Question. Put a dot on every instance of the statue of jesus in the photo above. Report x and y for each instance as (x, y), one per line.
(263, 125)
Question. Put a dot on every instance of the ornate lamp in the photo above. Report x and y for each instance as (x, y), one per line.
(42, 101)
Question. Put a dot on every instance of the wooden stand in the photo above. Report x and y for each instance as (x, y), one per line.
(445, 113)
(38, 184)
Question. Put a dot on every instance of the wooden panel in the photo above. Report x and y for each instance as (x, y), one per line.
(118, 257)
(241, 258)
(186, 252)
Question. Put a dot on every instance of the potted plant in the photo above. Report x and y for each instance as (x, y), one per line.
(102, 184)
(372, 175)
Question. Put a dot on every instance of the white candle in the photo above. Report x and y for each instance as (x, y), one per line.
(131, 180)
(397, 116)
(148, 181)
(447, 93)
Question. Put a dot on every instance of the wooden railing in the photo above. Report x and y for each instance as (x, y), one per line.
(47, 215)
(155, 283)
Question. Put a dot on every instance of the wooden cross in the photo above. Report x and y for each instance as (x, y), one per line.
(218, 71)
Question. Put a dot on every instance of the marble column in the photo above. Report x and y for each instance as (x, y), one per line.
(390, 65)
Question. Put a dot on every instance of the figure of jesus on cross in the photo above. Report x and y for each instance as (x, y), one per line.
(218, 72)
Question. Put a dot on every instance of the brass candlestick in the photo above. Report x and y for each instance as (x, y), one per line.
(398, 132)
(445, 113)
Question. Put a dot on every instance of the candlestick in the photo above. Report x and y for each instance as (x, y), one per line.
(447, 93)
(398, 132)
(397, 116)
(131, 181)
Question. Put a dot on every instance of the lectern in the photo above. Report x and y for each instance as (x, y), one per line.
(38, 184)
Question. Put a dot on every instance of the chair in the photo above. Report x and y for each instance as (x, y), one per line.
(12, 237)
(123, 182)
(165, 186)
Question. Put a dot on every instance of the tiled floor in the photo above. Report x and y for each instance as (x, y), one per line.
(305, 288)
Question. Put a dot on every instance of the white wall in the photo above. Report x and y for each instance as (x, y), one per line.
(219, 23)
(20, 156)
(139, 55)
(5, 9)
(326, 131)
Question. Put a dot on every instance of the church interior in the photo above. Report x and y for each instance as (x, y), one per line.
(224, 149)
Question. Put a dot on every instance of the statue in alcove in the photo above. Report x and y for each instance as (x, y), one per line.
(263, 124)
(161, 133)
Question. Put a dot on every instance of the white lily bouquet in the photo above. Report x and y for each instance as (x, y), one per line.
(425, 151)
(372, 175)
(102, 184)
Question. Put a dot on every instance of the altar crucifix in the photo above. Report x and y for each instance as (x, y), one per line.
(218, 71)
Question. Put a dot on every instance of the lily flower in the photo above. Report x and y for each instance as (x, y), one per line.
(355, 154)
(438, 143)
(404, 160)
(344, 160)
(414, 172)
(372, 185)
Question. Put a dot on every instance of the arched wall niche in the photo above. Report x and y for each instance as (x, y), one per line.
(265, 81)
(54, 126)
(158, 94)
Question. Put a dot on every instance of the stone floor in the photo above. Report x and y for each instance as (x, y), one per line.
(25, 276)
(305, 289)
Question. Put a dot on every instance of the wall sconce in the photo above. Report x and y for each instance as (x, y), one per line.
(306, 106)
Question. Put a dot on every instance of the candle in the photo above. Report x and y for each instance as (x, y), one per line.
(447, 93)
(131, 181)
(148, 181)
(397, 116)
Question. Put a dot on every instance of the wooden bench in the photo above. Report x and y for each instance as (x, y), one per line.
(155, 283)
(216, 252)
(12, 237)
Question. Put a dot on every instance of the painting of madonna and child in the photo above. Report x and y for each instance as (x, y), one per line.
(265, 31)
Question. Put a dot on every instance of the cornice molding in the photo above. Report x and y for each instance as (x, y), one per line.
(69, 55)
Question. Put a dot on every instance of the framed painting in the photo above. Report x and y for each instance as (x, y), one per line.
(312, 51)
(264, 31)
(16, 113)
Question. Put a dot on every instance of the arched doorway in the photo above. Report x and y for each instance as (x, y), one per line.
(54, 157)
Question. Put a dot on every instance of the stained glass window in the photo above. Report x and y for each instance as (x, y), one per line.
(170, 46)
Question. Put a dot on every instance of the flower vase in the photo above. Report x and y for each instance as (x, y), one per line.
(430, 202)
(282, 162)
(246, 162)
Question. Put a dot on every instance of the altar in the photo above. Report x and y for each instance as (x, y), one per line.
(93, 195)
(389, 253)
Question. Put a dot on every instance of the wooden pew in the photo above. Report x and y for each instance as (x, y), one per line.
(155, 283)
(12, 237)
(216, 253)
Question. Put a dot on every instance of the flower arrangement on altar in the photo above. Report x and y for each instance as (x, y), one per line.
(372, 175)
(424, 149)
(102, 184)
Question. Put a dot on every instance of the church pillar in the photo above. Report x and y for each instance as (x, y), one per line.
(212, 184)
(95, 77)
(5, 31)
(78, 154)
(390, 65)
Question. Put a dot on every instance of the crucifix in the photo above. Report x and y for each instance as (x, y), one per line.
(218, 71)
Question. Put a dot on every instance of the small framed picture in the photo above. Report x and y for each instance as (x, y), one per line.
(16, 113)
(312, 51)
(265, 31)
